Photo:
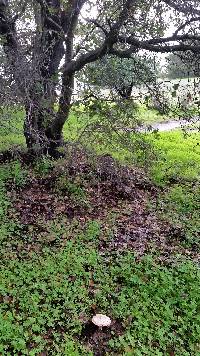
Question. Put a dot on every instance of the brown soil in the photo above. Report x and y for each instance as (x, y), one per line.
(111, 190)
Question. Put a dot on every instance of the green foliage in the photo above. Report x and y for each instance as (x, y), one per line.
(181, 206)
(74, 188)
(72, 348)
(11, 130)
(100, 126)
(43, 166)
(184, 199)
(13, 173)
(156, 297)
(119, 74)
(45, 297)
(48, 296)
(11, 134)
(4, 202)
(158, 306)
(17, 175)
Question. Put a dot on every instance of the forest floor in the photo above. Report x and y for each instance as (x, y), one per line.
(90, 234)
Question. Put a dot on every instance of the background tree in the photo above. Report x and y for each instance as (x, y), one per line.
(44, 40)
(181, 66)
(119, 74)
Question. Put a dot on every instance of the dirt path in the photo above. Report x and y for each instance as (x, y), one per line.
(173, 124)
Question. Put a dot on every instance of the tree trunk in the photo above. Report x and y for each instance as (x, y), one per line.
(125, 91)
(55, 129)
(43, 126)
(39, 139)
(33, 130)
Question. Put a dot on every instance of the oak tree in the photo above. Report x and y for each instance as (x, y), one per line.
(44, 43)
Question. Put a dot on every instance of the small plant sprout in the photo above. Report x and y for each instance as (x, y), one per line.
(101, 320)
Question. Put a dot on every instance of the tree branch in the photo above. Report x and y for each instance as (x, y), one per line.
(70, 16)
(137, 45)
(86, 58)
(185, 9)
(159, 40)
(97, 24)
(12, 47)
(152, 45)
(110, 39)
(193, 19)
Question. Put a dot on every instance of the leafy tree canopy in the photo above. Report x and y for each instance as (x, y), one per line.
(119, 74)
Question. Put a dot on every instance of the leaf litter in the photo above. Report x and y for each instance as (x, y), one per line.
(117, 197)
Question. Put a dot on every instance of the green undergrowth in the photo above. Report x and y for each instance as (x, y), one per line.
(72, 187)
(47, 301)
(14, 174)
(11, 129)
(49, 297)
(178, 157)
(167, 155)
(180, 206)
(177, 171)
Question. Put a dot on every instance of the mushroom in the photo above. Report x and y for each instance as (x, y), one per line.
(101, 320)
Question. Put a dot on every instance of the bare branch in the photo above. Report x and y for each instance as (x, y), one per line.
(159, 45)
(86, 58)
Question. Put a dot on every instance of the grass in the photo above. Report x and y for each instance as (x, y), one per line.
(180, 205)
(48, 299)
(176, 170)
(178, 157)
(150, 116)
(54, 276)
(11, 130)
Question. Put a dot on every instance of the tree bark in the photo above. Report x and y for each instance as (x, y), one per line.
(34, 131)
(54, 131)
(43, 126)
